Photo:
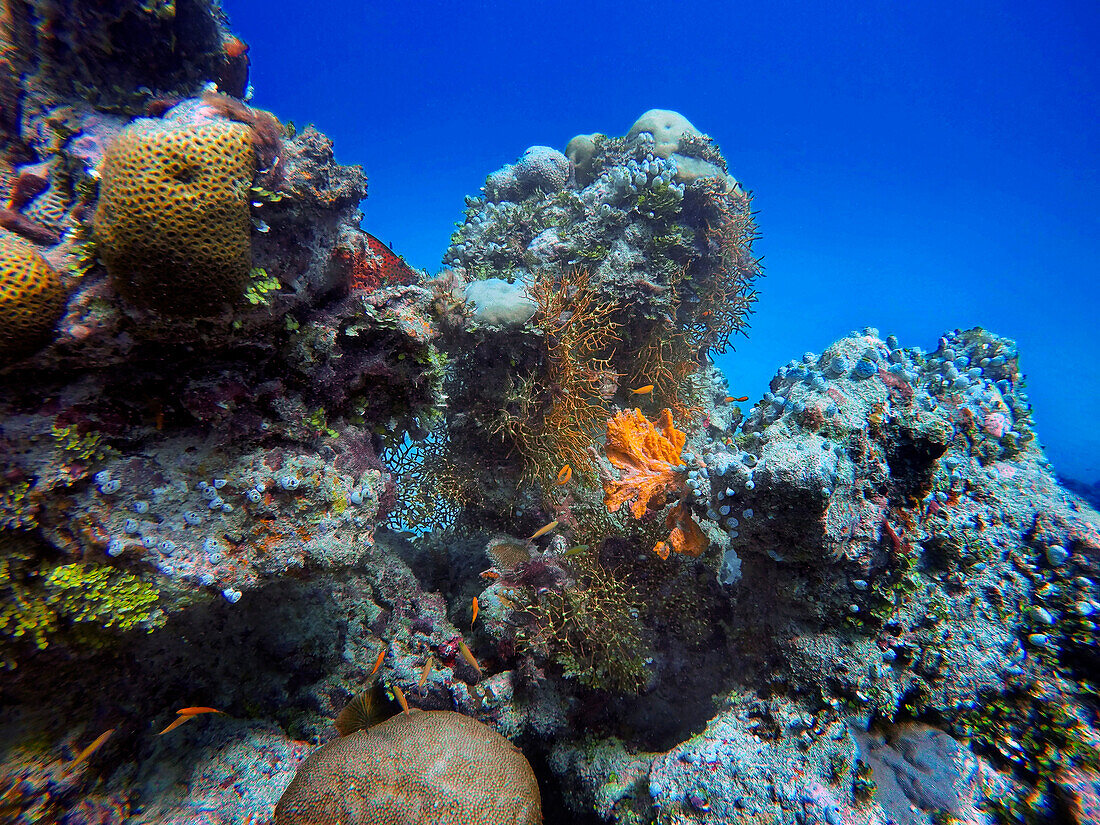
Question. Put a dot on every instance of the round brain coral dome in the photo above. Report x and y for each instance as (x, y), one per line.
(419, 767)
(173, 215)
(32, 297)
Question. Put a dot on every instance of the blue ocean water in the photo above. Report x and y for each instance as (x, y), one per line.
(917, 167)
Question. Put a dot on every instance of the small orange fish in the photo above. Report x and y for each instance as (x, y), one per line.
(646, 390)
(492, 574)
(92, 748)
(400, 694)
(179, 720)
(730, 398)
(425, 673)
(542, 531)
(468, 656)
(186, 715)
(378, 661)
(474, 618)
(564, 475)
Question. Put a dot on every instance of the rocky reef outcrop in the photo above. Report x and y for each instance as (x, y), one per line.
(253, 467)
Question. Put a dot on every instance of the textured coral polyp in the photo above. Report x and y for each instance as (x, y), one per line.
(32, 297)
(173, 216)
(425, 766)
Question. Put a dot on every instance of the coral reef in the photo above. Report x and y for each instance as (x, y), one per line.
(32, 297)
(322, 477)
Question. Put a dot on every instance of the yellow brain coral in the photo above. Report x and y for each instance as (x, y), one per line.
(32, 298)
(172, 220)
(416, 768)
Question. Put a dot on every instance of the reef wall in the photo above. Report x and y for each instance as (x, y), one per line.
(253, 468)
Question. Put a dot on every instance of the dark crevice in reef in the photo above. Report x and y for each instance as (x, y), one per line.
(554, 808)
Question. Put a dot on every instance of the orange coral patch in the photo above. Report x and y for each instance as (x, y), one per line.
(686, 536)
(646, 454)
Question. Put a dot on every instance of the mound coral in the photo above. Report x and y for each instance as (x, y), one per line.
(32, 297)
(647, 455)
(419, 767)
(173, 216)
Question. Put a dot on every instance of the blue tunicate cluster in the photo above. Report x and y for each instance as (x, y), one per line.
(114, 547)
(192, 518)
(865, 368)
(635, 175)
(232, 595)
(254, 495)
(110, 486)
(288, 482)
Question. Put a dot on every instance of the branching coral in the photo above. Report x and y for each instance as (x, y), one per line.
(560, 412)
(723, 294)
(590, 627)
(669, 361)
(647, 456)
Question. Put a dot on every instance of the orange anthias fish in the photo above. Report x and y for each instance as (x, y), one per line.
(425, 673)
(646, 390)
(468, 656)
(730, 398)
(92, 748)
(542, 531)
(564, 475)
(378, 661)
(186, 715)
(400, 694)
(474, 618)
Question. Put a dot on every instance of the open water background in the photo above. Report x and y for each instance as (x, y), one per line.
(917, 167)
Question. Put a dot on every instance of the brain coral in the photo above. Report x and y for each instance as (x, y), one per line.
(173, 215)
(32, 297)
(542, 168)
(667, 127)
(423, 767)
